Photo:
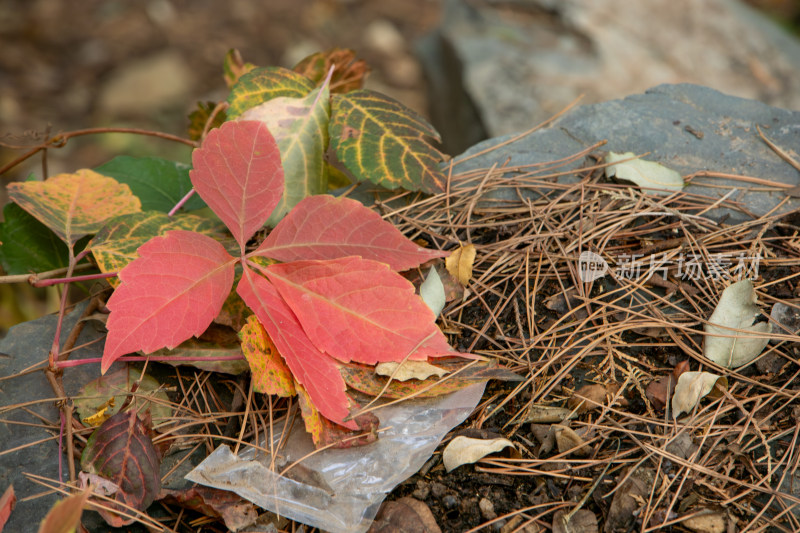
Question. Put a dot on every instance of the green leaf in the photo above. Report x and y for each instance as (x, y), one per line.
(217, 341)
(27, 245)
(74, 205)
(381, 140)
(300, 127)
(117, 243)
(158, 183)
(262, 84)
(206, 356)
(118, 385)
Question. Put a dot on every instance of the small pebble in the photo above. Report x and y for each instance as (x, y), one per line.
(422, 491)
(487, 509)
(450, 502)
(438, 490)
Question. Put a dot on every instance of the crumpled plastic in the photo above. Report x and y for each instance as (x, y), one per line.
(339, 490)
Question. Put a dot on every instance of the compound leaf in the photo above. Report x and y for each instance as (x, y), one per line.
(300, 127)
(312, 368)
(238, 173)
(262, 84)
(325, 227)
(171, 292)
(359, 310)
(74, 205)
(381, 140)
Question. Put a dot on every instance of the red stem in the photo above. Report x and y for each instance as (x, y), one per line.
(87, 277)
(142, 358)
(180, 203)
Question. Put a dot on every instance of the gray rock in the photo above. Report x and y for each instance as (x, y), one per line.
(685, 127)
(25, 346)
(504, 65)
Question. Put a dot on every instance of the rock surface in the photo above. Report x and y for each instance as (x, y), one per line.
(497, 67)
(25, 346)
(685, 127)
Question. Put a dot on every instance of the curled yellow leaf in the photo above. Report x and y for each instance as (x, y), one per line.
(459, 263)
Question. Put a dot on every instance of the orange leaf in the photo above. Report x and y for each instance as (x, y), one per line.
(270, 373)
(326, 433)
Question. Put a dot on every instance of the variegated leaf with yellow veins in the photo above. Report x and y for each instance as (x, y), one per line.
(75, 205)
(117, 243)
(262, 84)
(300, 127)
(379, 139)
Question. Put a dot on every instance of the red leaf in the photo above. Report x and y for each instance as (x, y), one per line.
(325, 227)
(121, 451)
(359, 310)
(312, 368)
(238, 173)
(7, 503)
(234, 510)
(171, 292)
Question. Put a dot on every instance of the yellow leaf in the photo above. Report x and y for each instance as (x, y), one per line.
(101, 415)
(459, 263)
(74, 205)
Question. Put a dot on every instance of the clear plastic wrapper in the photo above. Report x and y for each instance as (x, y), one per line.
(339, 490)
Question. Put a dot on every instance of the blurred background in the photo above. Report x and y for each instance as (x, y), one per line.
(476, 68)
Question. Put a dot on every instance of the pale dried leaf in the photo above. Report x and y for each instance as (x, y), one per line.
(547, 414)
(432, 292)
(646, 174)
(583, 521)
(409, 370)
(709, 521)
(693, 387)
(466, 450)
(736, 309)
(567, 439)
